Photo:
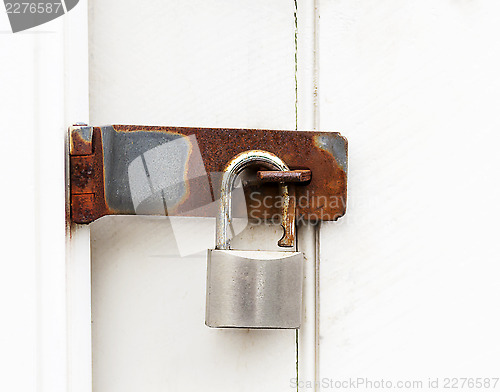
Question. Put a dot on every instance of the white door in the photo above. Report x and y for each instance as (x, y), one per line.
(408, 281)
(200, 64)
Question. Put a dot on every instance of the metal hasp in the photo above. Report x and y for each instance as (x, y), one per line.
(253, 289)
(149, 170)
(231, 172)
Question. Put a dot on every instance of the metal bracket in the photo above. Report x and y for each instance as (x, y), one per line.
(148, 170)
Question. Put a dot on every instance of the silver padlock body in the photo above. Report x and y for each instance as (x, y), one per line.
(254, 289)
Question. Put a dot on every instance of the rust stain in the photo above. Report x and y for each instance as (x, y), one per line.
(284, 176)
(79, 146)
(82, 174)
(288, 216)
(87, 180)
(82, 207)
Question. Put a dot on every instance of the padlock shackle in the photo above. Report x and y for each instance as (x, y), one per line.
(234, 167)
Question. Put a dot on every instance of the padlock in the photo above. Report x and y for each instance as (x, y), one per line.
(252, 289)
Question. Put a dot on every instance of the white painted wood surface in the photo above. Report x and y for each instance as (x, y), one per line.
(307, 118)
(409, 278)
(78, 299)
(18, 268)
(225, 64)
(42, 87)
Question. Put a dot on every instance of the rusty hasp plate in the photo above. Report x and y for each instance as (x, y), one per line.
(174, 171)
